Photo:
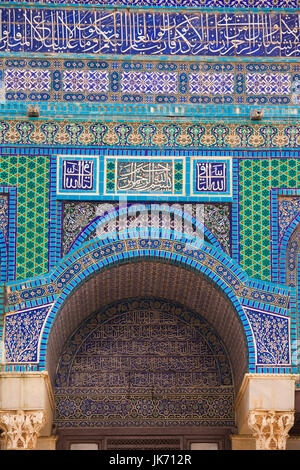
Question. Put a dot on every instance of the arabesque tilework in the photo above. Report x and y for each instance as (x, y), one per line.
(156, 134)
(264, 327)
(22, 333)
(84, 220)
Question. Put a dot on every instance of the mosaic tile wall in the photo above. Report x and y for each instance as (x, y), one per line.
(109, 91)
(252, 245)
(30, 174)
(100, 81)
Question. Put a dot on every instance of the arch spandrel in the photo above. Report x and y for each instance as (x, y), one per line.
(202, 273)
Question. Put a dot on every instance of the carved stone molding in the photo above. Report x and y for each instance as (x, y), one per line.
(21, 428)
(270, 428)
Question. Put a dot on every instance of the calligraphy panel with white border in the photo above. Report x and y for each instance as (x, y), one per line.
(211, 177)
(77, 175)
(138, 175)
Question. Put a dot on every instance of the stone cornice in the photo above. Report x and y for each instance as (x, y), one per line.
(27, 375)
(248, 377)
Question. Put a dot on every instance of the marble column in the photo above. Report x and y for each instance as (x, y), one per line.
(26, 410)
(265, 408)
(270, 428)
(21, 428)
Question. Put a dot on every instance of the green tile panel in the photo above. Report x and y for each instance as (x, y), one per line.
(30, 174)
(256, 179)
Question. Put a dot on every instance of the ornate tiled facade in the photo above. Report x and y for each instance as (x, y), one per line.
(144, 206)
(85, 218)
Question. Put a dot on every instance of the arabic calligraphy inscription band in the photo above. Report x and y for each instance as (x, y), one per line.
(174, 3)
(142, 33)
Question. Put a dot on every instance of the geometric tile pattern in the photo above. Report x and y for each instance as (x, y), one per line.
(211, 83)
(255, 185)
(254, 243)
(149, 81)
(27, 79)
(274, 84)
(30, 174)
(169, 32)
(85, 81)
(256, 178)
